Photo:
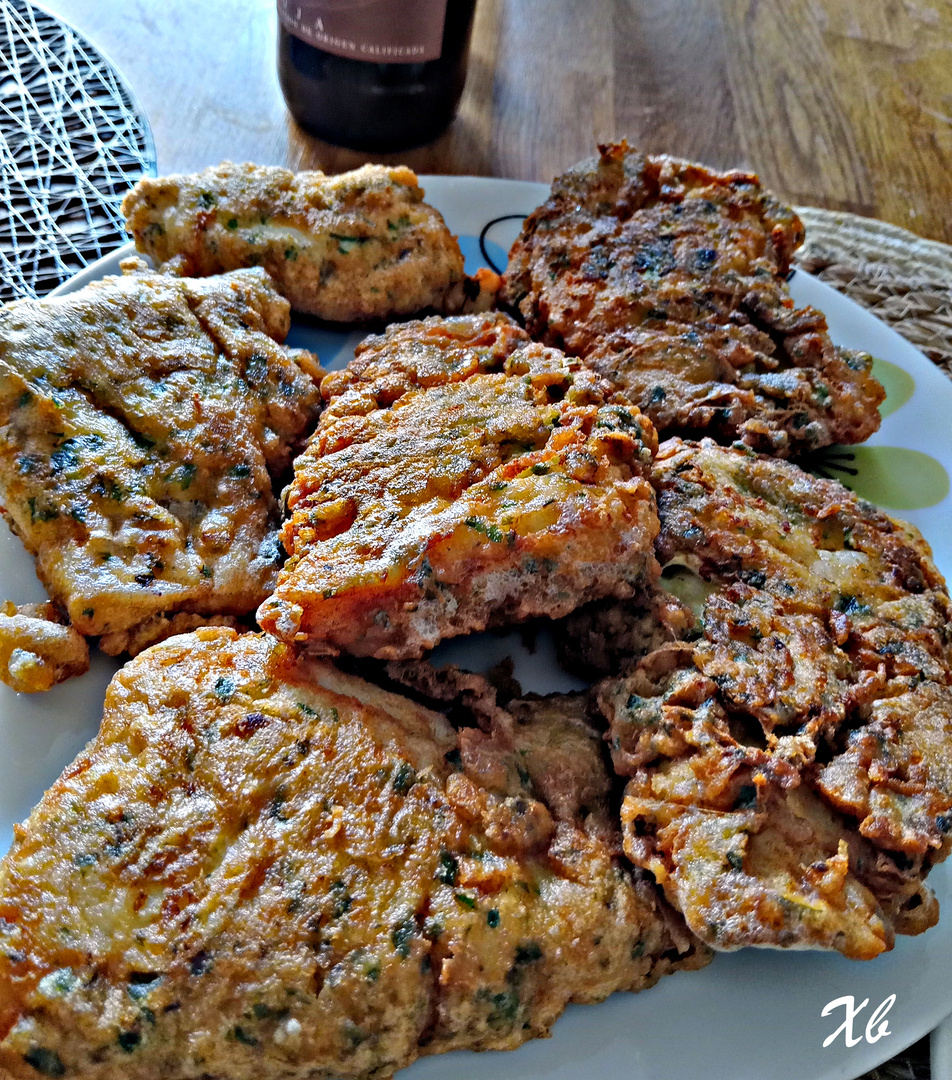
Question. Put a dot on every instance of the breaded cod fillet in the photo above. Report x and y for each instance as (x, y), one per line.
(350, 248)
(460, 477)
(669, 279)
(264, 868)
(790, 778)
(142, 421)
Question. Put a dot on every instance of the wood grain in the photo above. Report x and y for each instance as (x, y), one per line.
(845, 104)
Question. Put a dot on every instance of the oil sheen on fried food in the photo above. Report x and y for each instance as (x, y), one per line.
(375, 75)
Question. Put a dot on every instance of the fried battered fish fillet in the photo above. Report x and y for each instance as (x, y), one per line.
(791, 767)
(549, 747)
(263, 867)
(37, 649)
(669, 279)
(142, 420)
(460, 477)
(350, 248)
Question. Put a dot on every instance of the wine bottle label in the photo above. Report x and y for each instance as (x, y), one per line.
(382, 31)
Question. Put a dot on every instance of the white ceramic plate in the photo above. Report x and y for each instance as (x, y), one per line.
(750, 1015)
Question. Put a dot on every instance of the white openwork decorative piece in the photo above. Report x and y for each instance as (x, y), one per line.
(72, 141)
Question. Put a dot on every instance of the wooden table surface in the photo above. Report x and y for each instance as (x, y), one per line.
(845, 104)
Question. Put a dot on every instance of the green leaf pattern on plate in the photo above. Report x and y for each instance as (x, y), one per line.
(897, 478)
(899, 385)
(893, 477)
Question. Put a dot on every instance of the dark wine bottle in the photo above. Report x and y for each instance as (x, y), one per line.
(377, 75)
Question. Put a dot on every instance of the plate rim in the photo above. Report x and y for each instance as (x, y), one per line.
(839, 1068)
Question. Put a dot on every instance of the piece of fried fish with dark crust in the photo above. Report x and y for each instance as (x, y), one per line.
(265, 868)
(356, 247)
(460, 477)
(669, 279)
(551, 746)
(790, 783)
(143, 422)
(610, 636)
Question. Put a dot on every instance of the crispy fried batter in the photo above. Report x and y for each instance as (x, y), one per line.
(460, 477)
(160, 628)
(467, 698)
(262, 867)
(37, 649)
(545, 746)
(561, 756)
(609, 636)
(670, 279)
(359, 246)
(141, 422)
(790, 769)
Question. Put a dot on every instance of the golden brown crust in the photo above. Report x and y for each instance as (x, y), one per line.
(264, 867)
(37, 649)
(790, 781)
(143, 420)
(350, 248)
(459, 477)
(161, 628)
(551, 747)
(669, 279)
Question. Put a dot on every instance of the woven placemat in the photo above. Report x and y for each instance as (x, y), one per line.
(73, 140)
(904, 280)
(907, 282)
(912, 1064)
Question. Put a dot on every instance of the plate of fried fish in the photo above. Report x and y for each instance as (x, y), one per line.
(428, 617)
